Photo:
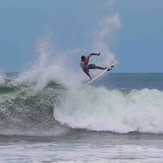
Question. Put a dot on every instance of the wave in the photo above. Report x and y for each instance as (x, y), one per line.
(47, 110)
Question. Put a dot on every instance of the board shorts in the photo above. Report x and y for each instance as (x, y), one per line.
(90, 66)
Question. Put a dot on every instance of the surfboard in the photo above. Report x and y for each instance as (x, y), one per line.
(107, 69)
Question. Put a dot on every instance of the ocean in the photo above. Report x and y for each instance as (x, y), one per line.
(118, 118)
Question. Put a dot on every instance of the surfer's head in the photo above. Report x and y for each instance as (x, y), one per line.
(83, 58)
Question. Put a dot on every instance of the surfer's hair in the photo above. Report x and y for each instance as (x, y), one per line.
(82, 57)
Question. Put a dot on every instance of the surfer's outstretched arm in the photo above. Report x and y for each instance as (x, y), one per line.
(87, 60)
(94, 54)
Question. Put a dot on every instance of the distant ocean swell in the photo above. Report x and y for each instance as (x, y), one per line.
(54, 109)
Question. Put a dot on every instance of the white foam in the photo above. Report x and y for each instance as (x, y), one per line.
(103, 110)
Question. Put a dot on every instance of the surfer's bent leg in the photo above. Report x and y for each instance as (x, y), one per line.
(86, 70)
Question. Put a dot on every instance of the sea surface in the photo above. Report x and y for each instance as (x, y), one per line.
(118, 118)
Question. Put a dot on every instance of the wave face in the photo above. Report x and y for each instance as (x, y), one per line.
(30, 108)
(27, 110)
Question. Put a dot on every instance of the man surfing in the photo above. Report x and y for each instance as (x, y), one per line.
(84, 63)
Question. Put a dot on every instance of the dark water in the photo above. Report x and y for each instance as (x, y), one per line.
(129, 81)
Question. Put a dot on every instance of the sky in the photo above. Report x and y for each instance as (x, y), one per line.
(136, 40)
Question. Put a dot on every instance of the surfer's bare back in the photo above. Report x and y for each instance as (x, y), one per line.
(84, 63)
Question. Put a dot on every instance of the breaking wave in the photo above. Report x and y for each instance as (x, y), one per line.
(51, 109)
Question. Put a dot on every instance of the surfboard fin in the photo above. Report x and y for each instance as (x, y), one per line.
(109, 69)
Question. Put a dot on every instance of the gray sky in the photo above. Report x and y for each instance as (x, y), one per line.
(71, 24)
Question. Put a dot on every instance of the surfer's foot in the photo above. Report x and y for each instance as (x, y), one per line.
(90, 78)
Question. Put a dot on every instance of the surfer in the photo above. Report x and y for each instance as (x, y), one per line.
(84, 63)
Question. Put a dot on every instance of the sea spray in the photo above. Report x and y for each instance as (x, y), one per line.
(107, 26)
(2, 78)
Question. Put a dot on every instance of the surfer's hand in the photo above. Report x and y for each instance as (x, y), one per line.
(98, 54)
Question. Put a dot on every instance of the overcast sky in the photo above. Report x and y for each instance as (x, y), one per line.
(137, 42)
